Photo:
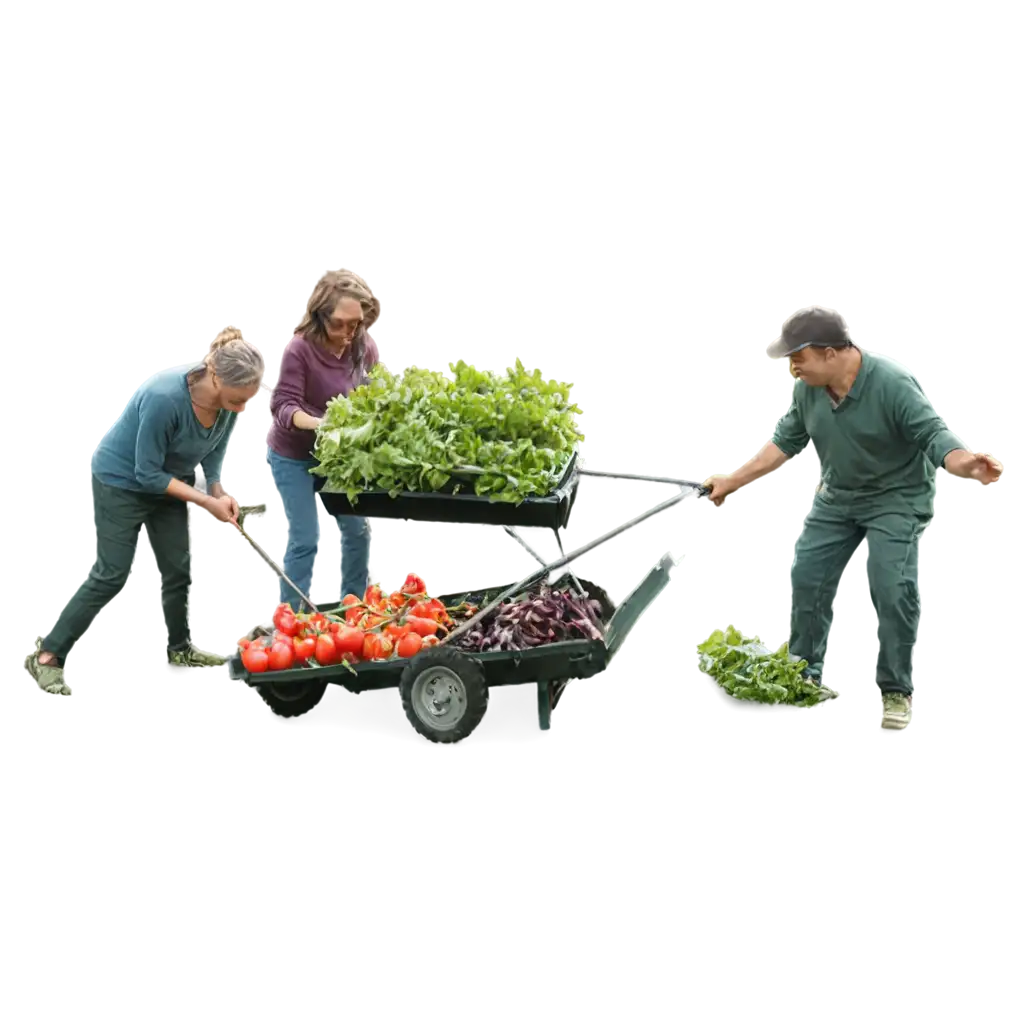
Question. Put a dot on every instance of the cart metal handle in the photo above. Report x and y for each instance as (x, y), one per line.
(534, 577)
(273, 566)
(541, 558)
(649, 479)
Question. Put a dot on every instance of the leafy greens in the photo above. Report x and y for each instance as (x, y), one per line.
(505, 436)
(748, 670)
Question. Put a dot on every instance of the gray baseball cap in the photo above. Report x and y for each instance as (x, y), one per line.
(824, 328)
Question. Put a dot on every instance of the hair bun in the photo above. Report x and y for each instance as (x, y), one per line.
(226, 336)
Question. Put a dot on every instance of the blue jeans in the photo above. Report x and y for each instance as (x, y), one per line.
(298, 487)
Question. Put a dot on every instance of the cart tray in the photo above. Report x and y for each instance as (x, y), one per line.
(566, 659)
(549, 510)
(570, 659)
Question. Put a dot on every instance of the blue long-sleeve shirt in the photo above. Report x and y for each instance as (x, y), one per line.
(158, 438)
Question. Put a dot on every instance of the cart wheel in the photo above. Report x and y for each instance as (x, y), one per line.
(291, 699)
(444, 694)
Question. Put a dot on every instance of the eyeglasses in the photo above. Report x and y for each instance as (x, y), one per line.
(339, 324)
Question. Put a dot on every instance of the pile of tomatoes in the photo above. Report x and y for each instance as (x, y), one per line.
(376, 627)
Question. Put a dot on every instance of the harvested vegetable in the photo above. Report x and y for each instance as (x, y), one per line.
(748, 670)
(543, 616)
(418, 431)
(381, 627)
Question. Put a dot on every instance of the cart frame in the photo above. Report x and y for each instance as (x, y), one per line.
(467, 676)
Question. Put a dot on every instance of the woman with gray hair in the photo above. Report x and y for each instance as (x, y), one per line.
(330, 354)
(143, 474)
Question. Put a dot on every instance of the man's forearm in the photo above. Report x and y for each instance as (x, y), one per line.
(766, 461)
(958, 462)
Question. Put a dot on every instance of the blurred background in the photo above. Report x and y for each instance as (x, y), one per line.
(664, 360)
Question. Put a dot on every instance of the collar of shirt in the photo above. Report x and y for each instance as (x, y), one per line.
(858, 383)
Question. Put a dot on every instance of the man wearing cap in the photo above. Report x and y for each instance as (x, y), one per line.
(880, 443)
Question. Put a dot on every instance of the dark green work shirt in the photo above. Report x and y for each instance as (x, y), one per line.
(879, 447)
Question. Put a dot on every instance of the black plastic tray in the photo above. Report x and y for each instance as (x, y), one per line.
(568, 659)
(551, 511)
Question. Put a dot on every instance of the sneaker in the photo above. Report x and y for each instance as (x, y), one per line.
(895, 710)
(50, 678)
(190, 656)
(826, 691)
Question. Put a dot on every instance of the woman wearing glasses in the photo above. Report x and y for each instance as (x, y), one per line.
(330, 355)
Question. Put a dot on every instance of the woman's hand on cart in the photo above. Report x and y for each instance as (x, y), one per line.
(223, 507)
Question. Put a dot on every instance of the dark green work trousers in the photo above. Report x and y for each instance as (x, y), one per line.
(120, 514)
(830, 536)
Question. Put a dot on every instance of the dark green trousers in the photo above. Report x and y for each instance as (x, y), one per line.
(120, 515)
(830, 536)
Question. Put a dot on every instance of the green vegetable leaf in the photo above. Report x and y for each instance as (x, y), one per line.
(748, 670)
(414, 431)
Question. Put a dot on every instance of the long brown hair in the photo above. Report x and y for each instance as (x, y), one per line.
(330, 289)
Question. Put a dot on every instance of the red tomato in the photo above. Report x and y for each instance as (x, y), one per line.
(282, 655)
(376, 647)
(353, 615)
(409, 645)
(413, 585)
(255, 660)
(305, 648)
(334, 627)
(349, 599)
(350, 641)
(398, 600)
(422, 610)
(395, 631)
(289, 625)
(374, 596)
(425, 627)
(243, 643)
(326, 652)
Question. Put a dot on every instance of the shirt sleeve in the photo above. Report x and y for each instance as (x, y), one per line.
(921, 425)
(289, 396)
(156, 428)
(213, 462)
(790, 435)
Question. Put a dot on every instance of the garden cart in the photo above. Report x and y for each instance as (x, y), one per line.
(444, 690)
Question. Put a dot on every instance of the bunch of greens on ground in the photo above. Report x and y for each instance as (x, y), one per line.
(748, 670)
(514, 433)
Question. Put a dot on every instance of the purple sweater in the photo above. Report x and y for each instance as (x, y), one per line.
(310, 377)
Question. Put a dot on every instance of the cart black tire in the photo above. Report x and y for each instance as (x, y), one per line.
(292, 699)
(465, 698)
